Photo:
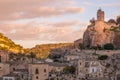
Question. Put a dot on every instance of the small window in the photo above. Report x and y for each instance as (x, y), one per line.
(22, 76)
(92, 70)
(0, 58)
(36, 71)
(80, 63)
(10, 79)
(36, 77)
(0, 68)
(44, 70)
(13, 69)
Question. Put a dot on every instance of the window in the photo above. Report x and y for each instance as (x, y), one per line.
(92, 70)
(0, 68)
(36, 77)
(22, 76)
(6, 79)
(44, 70)
(36, 71)
(80, 63)
(0, 58)
(13, 69)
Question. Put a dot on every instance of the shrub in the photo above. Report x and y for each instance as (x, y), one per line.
(108, 46)
(103, 57)
(69, 69)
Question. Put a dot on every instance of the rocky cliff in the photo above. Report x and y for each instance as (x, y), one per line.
(100, 32)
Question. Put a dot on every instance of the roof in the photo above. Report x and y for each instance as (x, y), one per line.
(21, 70)
(1, 78)
(56, 64)
(52, 64)
(11, 75)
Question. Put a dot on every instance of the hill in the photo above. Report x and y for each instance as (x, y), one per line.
(42, 51)
(9, 45)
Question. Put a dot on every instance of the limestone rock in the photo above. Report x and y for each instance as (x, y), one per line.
(99, 33)
(116, 40)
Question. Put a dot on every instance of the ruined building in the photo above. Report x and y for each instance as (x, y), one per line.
(98, 33)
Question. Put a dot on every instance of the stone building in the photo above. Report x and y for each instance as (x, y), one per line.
(89, 68)
(38, 71)
(11, 76)
(98, 33)
(4, 56)
(4, 69)
(100, 15)
(41, 71)
(78, 43)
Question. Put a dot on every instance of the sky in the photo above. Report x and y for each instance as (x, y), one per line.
(32, 22)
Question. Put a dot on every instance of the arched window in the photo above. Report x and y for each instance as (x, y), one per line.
(36, 71)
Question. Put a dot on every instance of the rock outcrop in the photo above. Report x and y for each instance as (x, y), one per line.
(99, 33)
(116, 40)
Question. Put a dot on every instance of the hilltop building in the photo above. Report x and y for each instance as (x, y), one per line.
(98, 33)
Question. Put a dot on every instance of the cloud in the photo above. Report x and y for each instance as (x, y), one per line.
(20, 9)
(15, 13)
(61, 31)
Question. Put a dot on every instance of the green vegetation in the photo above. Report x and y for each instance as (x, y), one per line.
(118, 20)
(32, 55)
(115, 29)
(112, 21)
(108, 46)
(81, 47)
(69, 70)
(103, 57)
(54, 56)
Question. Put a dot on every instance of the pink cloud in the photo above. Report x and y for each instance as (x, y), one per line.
(20, 9)
(60, 31)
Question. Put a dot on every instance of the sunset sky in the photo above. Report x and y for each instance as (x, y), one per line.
(31, 22)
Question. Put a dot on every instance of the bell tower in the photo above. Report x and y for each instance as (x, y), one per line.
(100, 15)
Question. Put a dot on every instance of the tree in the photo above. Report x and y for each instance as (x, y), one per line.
(69, 69)
(118, 20)
(103, 57)
(108, 46)
(111, 21)
(32, 55)
(81, 46)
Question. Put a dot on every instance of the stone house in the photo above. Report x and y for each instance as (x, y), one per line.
(4, 56)
(78, 43)
(41, 71)
(89, 68)
(4, 69)
(22, 73)
(11, 77)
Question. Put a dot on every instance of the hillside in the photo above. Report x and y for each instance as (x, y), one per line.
(42, 51)
(8, 44)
